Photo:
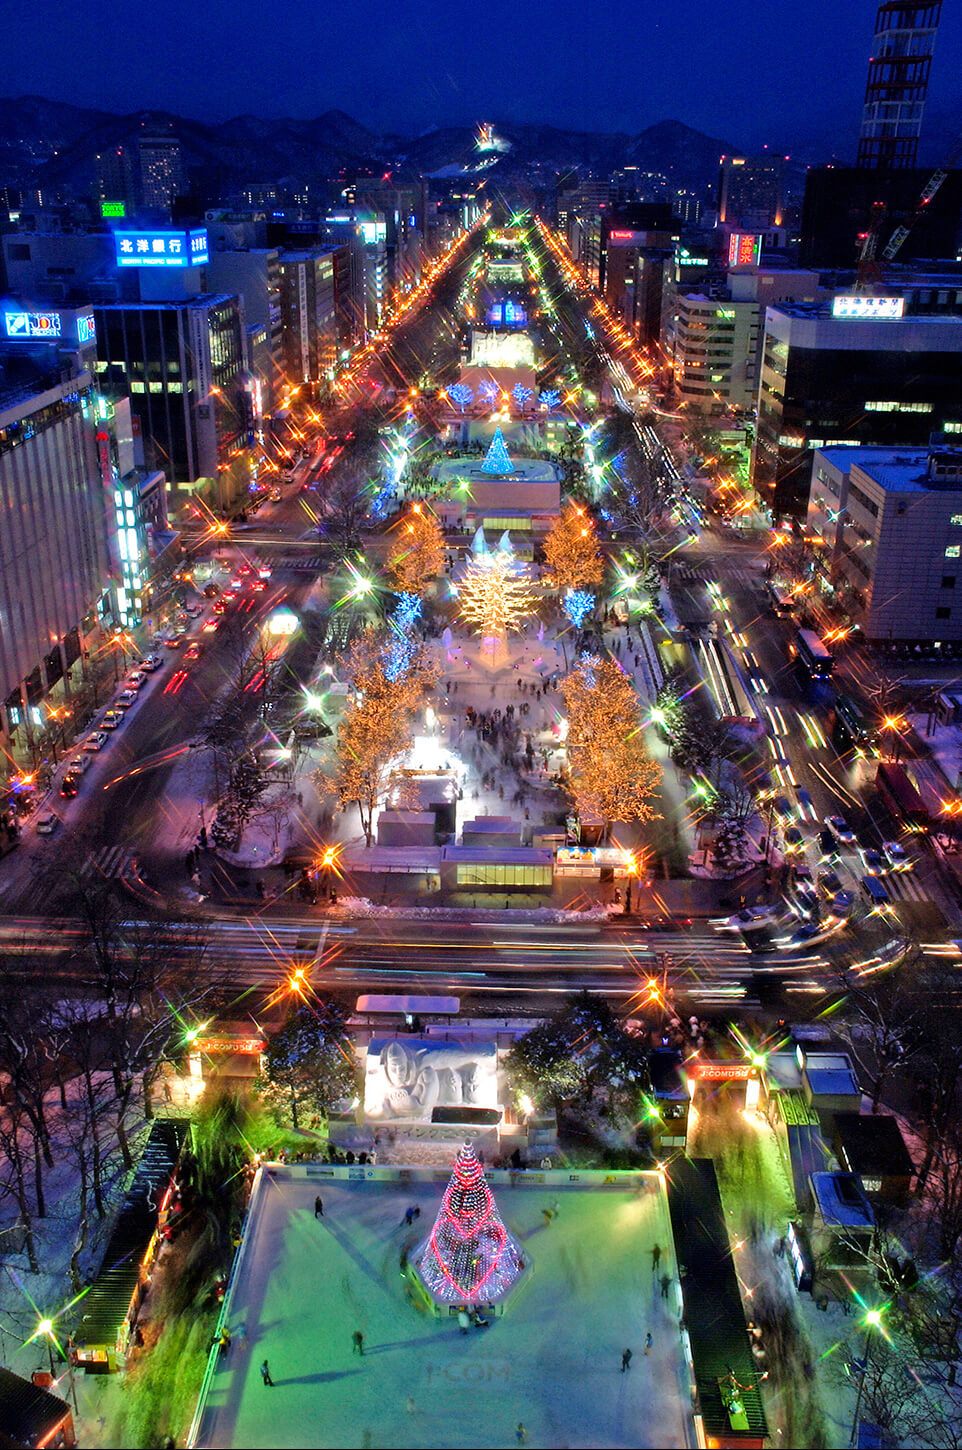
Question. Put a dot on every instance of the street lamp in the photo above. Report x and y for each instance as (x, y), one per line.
(872, 1320)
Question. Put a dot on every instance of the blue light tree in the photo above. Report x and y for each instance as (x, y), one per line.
(496, 459)
(578, 604)
(488, 391)
(461, 394)
(521, 394)
(550, 399)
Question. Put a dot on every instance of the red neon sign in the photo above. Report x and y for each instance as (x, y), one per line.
(744, 249)
(722, 1071)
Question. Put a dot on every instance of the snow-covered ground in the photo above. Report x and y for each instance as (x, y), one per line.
(551, 1362)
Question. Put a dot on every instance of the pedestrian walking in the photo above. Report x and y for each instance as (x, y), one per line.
(648, 1342)
(266, 1374)
(357, 1343)
(655, 1258)
(520, 1433)
(625, 1360)
(464, 1321)
(318, 1207)
(409, 1405)
(665, 1286)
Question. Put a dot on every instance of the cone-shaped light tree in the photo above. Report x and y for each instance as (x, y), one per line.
(496, 459)
(571, 550)
(469, 1256)
(612, 775)
(418, 554)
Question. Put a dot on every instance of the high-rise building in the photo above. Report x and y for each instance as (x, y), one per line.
(53, 546)
(311, 339)
(637, 245)
(115, 179)
(898, 78)
(859, 370)
(160, 162)
(182, 364)
(255, 276)
(750, 192)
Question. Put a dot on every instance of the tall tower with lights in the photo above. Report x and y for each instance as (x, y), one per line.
(898, 78)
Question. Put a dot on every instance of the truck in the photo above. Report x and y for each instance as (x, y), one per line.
(900, 795)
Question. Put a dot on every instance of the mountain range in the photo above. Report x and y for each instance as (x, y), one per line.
(53, 144)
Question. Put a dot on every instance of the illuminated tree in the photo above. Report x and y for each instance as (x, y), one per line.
(469, 1256)
(418, 551)
(578, 604)
(496, 593)
(374, 732)
(461, 394)
(571, 550)
(496, 459)
(612, 776)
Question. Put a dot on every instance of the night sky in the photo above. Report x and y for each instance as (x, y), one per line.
(749, 72)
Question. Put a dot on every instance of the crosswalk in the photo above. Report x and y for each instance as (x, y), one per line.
(111, 863)
(302, 562)
(711, 573)
(903, 886)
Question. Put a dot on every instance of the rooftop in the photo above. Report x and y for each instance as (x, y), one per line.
(897, 470)
(873, 1144)
(841, 1200)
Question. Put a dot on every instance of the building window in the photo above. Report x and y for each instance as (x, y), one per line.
(956, 519)
(948, 581)
(953, 551)
(943, 612)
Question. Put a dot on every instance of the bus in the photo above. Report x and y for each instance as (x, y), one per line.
(900, 795)
(782, 601)
(812, 655)
(852, 728)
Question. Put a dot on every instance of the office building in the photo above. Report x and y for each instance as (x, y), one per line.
(637, 246)
(838, 208)
(141, 544)
(182, 364)
(54, 561)
(311, 340)
(750, 192)
(860, 370)
(254, 274)
(716, 338)
(887, 524)
(898, 78)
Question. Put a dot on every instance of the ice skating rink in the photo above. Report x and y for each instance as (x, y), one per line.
(552, 1361)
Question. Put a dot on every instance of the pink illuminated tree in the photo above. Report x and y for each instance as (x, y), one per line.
(469, 1257)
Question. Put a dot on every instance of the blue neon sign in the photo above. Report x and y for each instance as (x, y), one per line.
(162, 249)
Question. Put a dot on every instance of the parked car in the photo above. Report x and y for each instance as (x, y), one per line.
(47, 824)
(842, 903)
(193, 610)
(898, 858)
(81, 764)
(827, 845)
(784, 807)
(96, 741)
(136, 680)
(829, 883)
(126, 698)
(842, 829)
(794, 840)
(153, 662)
(874, 862)
(211, 591)
(112, 718)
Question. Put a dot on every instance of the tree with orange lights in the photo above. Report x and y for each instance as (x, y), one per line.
(612, 777)
(571, 550)
(496, 594)
(418, 554)
(374, 733)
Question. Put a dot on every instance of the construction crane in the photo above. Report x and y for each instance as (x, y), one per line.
(869, 269)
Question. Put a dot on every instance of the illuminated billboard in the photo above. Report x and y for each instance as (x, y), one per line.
(162, 249)
(86, 332)
(627, 239)
(877, 308)
(372, 232)
(32, 325)
(744, 249)
(113, 209)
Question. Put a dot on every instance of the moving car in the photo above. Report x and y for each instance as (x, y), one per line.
(829, 883)
(193, 653)
(827, 845)
(874, 862)
(47, 824)
(211, 590)
(70, 784)
(794, 839)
